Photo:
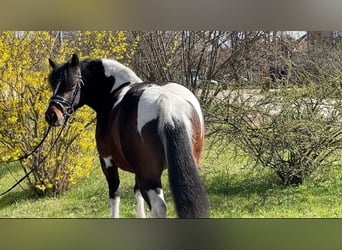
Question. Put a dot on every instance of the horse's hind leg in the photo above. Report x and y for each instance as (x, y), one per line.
(158, 205)
(154, 196)
(112, 176)
(140, 209)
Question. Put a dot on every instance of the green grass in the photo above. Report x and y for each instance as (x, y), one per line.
(235, 189)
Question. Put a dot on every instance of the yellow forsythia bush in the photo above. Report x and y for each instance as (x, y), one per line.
(24, 95)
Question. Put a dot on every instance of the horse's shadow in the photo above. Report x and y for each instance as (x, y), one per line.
(15, 196)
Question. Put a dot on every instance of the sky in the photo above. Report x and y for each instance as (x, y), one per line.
(296, 34)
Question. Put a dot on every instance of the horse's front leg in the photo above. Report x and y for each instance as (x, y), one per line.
(112, 175)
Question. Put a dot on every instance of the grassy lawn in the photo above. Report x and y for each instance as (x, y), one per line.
(235, 189)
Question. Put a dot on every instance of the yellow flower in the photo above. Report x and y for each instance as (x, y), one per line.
(40, 187)
(24, 95)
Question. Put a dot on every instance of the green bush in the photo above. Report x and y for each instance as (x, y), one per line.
(292, 130)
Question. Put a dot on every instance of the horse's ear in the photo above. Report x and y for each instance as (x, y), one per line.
(74, 60)
(52, 63)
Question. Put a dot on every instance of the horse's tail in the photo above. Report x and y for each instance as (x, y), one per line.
(186, 187)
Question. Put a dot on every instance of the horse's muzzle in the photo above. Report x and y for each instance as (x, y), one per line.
(54, 117)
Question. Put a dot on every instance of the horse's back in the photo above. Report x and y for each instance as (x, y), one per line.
(143, 110)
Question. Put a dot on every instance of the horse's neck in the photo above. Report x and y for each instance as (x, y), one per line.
(120, 72)
(103, 99)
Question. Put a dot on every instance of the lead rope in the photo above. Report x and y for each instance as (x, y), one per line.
(67, 115)
(26, 155)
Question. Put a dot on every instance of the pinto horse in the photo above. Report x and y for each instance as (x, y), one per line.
(142, 127)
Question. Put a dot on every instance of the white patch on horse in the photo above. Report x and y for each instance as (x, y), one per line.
(140, 210)
(115, 207)
(185, 93)
(120, 72)
(158, 205)
(57, 87)
(148, 108)
(108, 161)
(167, 105)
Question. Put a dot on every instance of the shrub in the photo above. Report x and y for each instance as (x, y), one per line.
(24, 95)
(293, 130)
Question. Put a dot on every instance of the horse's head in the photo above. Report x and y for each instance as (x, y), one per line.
(66, 82)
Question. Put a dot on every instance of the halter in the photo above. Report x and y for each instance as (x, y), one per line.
(62, 102)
